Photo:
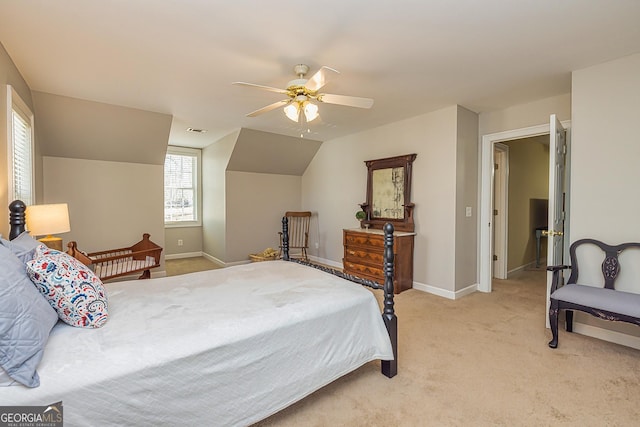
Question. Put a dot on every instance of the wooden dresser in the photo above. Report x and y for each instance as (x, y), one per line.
(363, 256)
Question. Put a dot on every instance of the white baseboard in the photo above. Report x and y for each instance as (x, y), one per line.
(214, 260)
(445, 293)
(184, 255)
(325, 261)
(607, 335)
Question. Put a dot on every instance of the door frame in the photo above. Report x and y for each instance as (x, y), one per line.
(485, 225)
(501, 203)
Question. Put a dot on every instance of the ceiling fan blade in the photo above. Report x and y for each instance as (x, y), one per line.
(269, 108)
(350, 101)
(321, 78)
(269, 88)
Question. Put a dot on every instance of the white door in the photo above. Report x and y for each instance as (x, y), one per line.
(555, 234)
(500, 191)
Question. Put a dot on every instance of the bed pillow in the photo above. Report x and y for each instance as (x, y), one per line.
(6, 380)
(23, 246)
(73, 290)
(25, 321)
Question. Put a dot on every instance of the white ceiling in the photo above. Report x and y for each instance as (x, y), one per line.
(411, 56)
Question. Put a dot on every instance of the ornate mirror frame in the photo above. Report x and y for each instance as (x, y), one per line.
(403, 221)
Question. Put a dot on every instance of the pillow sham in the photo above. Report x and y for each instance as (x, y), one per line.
(25, 321)
(73, 290)
(22, 246)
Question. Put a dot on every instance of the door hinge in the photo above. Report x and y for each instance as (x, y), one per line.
(495, 166)
(495, 257)
(495, 211)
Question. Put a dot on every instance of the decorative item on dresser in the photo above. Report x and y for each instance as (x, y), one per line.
(388, 201)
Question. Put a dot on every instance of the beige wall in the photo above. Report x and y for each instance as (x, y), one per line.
(111, 204)
(605, 154)
(191, 240)
(80, 129)
(9, 75)
(525, 115)
(604, 168)
(466, 196)
(528, 179)
(215, 158)
(255, 205)
(606, 151)
(335, 183)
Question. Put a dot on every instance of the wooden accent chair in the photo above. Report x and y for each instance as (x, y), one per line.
(298, 234)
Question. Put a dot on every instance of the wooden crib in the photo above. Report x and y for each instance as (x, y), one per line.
(143, 256)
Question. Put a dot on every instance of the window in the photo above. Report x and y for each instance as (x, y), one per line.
(20, 126)
(182, 187)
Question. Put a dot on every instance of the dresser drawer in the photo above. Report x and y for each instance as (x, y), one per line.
(362, 255)
(373, 241)
(366, 271)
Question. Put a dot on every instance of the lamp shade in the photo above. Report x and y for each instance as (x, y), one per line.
(310, 111)
(292, 111)
(48, 219)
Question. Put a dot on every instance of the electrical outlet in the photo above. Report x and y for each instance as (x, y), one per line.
(180, 242)
(317, 245)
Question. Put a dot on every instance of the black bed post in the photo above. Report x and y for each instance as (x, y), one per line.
(389, 367)
(17, 220)
(285, 238)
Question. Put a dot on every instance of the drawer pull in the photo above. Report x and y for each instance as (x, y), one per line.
(352, 252)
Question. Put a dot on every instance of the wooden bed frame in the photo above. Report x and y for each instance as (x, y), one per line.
(389, 368)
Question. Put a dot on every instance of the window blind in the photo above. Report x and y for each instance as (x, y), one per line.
(22, 157)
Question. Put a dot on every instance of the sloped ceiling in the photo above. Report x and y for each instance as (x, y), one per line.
(79, 129)
(264, 152)
(411, 57)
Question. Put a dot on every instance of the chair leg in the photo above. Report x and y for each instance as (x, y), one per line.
(569, 320)
(553, 321)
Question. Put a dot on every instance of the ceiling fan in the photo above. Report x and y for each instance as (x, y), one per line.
(301, 92)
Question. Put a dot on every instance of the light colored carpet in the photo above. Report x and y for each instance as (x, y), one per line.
(174, 267)
(482, 360)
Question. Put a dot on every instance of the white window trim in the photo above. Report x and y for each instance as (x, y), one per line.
(172, 149)
(15, 102)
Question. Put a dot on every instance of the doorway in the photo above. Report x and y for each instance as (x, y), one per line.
(486, 249)
(521, 190)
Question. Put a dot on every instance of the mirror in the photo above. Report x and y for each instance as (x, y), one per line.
(389, 193)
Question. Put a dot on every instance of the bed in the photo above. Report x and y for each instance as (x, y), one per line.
(224, 347)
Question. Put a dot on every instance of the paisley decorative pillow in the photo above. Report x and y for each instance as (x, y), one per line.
(73, 290)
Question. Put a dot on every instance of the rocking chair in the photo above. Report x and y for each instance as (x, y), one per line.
(298, 234)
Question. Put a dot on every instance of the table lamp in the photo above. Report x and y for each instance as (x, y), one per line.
(46, 220)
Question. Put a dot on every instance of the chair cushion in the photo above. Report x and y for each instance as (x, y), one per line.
(625, 303)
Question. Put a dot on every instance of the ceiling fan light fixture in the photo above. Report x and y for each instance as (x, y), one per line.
(310, 111)
(292, 111)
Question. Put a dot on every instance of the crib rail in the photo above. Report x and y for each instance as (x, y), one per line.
(113, 263)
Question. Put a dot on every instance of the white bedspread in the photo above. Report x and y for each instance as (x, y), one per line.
(217, 348)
